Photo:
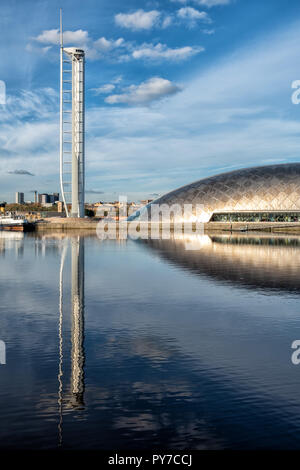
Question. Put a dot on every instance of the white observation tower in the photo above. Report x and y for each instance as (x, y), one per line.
(72, 127)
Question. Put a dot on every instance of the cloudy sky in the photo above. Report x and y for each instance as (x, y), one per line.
(176, 90)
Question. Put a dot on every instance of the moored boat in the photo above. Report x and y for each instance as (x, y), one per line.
(15, 224)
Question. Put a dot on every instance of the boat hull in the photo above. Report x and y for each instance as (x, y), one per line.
(17, 227)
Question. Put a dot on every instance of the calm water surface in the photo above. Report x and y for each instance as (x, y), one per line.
(149, 344)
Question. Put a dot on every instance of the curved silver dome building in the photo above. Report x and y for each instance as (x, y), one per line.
(265, 193)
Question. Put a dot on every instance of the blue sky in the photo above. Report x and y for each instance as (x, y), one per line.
(176, 90)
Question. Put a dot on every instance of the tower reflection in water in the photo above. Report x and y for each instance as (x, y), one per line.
(241, 260)
(77, 386)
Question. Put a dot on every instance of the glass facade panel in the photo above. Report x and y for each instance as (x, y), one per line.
(256, 217)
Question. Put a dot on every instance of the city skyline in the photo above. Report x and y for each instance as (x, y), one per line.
(176, 91)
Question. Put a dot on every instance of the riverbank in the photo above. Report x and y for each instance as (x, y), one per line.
(273, 227)
(65, 224)
(73, 224)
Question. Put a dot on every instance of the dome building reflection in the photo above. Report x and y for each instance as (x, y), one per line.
(247, 261)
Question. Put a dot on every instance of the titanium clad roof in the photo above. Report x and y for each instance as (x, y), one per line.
(264, 188)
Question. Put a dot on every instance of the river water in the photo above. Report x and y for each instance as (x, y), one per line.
(174, 344)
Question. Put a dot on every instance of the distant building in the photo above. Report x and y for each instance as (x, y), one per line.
(43, 198)
(48, 198)
(60, 207)
(19, 198)
(54, 197)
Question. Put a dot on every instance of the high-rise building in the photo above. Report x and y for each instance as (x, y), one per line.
(43, 198)
(48, 198)
(19, 198)
(55, 197)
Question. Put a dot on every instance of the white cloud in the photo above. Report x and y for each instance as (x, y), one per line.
(105, 89)
(106, 45)
(117, 79)
(51, 36)
(75, 37)
(138, 20)
(121, 50)
(161, 51)
(153, 89)
(205, 3)
(46, 49)
(208, 31)
(213, 3)
(93, 49)
(30, 105)
(167, 21)
(193, 15)
(37, 49)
